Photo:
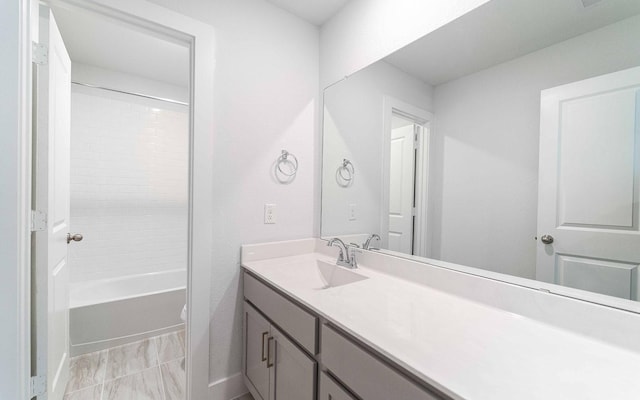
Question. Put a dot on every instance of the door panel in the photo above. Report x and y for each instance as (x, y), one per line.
(596, 156)
(606, 277)
(589, 184)
(293, 372)
(401, 191)
(51, 181)
(256, 333)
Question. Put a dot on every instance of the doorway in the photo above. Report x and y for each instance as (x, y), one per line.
(405, 178)
(403, 156)
(110, 111)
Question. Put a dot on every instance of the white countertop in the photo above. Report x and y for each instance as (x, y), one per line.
(467, 349)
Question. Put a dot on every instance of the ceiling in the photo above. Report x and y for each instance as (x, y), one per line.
(315, 11)
(96, 40)
(502, 30)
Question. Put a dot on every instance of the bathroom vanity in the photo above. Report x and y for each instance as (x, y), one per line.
(398, 329)
(278, 367)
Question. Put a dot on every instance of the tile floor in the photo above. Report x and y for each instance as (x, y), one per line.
(147, 370)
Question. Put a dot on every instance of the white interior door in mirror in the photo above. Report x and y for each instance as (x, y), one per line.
(52, 176)
(401, 188)
(589, 185)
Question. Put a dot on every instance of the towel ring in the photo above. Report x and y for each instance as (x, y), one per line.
(284, 159)
(348, 168)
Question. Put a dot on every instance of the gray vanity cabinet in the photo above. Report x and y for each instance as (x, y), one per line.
(287, 350)
(331, 390)
(274, 367)
(365, 374)
(293, 373)
(280, 341)
(256, 334)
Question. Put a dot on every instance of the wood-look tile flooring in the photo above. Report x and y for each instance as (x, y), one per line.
(151, 369)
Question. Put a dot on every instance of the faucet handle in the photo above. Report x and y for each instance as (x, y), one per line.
(352, 255)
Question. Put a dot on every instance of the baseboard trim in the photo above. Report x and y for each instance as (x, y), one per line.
(227, 388)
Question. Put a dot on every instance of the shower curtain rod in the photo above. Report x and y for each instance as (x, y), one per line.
(182, 103)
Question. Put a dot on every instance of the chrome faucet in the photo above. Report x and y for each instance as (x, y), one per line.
(344, 258)
(367, 244)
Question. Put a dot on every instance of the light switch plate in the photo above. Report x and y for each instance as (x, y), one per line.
(352, 212)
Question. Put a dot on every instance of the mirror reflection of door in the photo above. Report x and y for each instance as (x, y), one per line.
(588, 185)
(402, 173)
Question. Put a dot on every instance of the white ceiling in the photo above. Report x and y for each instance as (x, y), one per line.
(101, 42)
(315, 11)
(502, 30)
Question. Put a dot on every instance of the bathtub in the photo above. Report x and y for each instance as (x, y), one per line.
(111, 312)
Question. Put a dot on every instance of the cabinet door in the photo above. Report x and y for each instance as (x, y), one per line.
(256, 334)
(330, 390)
(293, 373)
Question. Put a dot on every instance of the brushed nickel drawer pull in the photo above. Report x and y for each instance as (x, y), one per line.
(269, 363)
(262, 357)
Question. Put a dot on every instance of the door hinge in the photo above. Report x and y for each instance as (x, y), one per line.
(413, 211)
(38, 221)
(39, 53)
(38, 385)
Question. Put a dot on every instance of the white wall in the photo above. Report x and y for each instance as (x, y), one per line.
(14, 240)
(266, 99)
(129, 185)
(353, 129)
(486, 147)
(365, 31)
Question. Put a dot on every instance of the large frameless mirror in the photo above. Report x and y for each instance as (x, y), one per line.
(508, 141)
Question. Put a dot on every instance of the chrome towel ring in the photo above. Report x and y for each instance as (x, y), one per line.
(346, 170)
(287, 158)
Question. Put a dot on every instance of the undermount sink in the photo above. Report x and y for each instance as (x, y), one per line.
(333, 275)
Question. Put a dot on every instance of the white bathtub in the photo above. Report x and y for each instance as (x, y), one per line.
(111, 312)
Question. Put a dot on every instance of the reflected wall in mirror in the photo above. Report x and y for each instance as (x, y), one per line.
(518, 120)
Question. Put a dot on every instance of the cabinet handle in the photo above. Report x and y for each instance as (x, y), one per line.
(262, 357)
(269, 363)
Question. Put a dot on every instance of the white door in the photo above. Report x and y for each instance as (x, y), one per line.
(401, 189)
(589, 185)
(51, 178)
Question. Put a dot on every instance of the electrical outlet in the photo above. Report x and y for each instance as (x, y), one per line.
(269, 213)
(352, 212)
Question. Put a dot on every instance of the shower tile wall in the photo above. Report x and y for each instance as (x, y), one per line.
(129, 169)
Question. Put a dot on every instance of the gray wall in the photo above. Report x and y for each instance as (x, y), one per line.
(486, 147)
(266, 100)
(353, 129)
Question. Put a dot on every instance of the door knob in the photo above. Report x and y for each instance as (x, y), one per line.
(546, 239)
(76, 237)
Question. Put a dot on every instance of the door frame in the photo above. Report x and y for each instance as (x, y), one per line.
(15, 210)
(421, 236)
(199, 37)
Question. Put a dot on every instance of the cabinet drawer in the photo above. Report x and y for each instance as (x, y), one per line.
(367, 376)
(299, 324)
(330, 390)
